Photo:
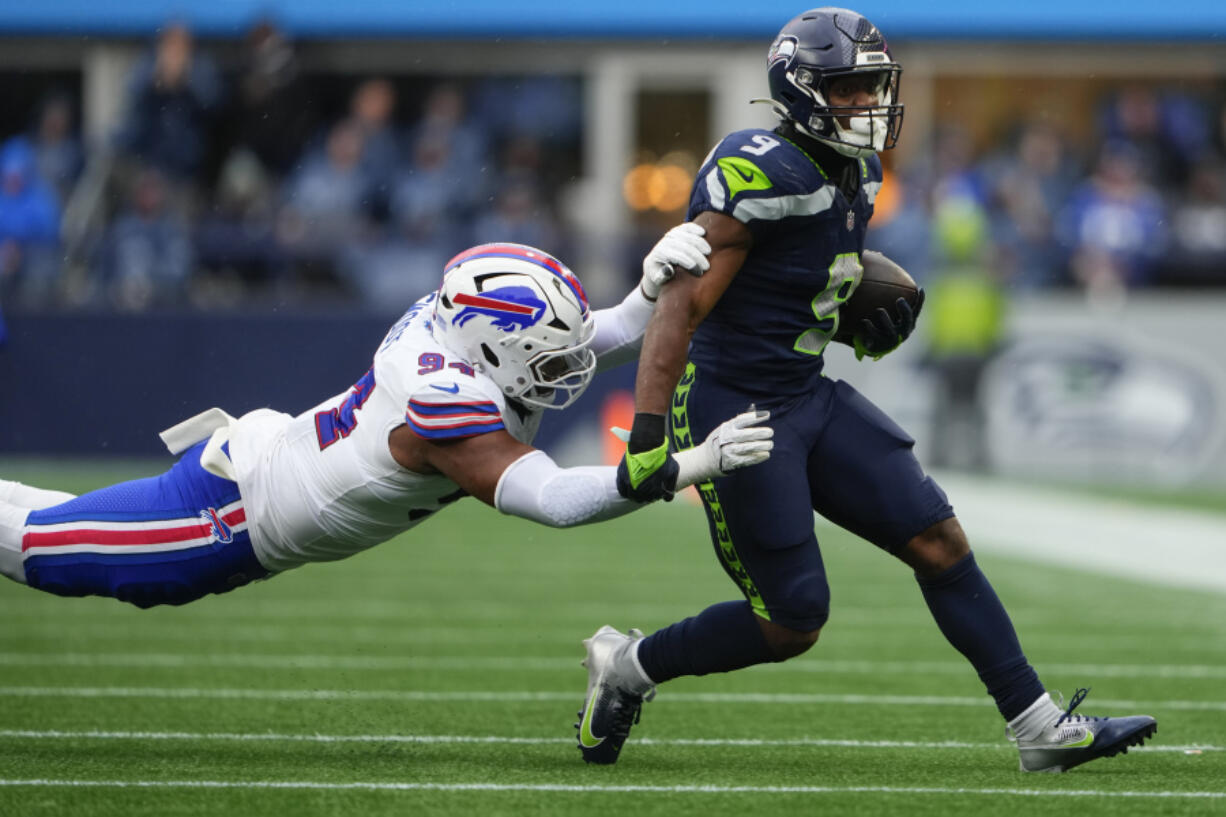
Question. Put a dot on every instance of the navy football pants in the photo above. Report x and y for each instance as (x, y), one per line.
(835, 453)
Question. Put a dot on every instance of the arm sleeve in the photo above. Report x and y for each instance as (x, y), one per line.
(619, 330)
(535, 487)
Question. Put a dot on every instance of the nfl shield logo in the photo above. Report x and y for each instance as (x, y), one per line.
(851, 220)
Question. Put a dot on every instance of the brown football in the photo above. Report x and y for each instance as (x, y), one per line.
(881, 285)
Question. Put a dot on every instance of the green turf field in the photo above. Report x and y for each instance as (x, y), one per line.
(439, 674)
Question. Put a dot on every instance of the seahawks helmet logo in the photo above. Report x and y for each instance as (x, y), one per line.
(782, 50)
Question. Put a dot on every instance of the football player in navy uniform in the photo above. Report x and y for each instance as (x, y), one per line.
(785, 213)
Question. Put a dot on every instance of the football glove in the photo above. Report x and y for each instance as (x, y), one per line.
(647, 472)
(882, 333)
(736, 443)
(682, 246)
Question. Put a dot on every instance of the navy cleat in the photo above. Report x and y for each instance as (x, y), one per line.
(616, 689)
(1070, 740)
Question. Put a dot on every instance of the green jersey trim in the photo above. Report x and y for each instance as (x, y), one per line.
(742, 174)
(682, 439)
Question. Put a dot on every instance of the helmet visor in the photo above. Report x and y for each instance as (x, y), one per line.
(560, 376)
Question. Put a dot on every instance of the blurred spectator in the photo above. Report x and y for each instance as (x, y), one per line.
(1217, 146)
(954, 172)
(549, 108)
(236, 240)
(274, 114)
(1028, 186)
(1113, 225)
(429, 203)
(964, 316)
(172, 95)
(325, 204)
(57, 149)
(432, 202)
(443, 118)
(1198, 228)
(390, 274)
(370, 111)
(900, 227)
(1166, 131)
(145, 259)
(29, 227)
(521, 217)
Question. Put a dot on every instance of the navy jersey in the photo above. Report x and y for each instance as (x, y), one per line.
(767, 333)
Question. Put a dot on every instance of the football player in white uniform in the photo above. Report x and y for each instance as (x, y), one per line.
(448, 409)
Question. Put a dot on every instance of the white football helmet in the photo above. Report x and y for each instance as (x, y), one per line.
(522, 319)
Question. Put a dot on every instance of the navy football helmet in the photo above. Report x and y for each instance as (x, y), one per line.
(813, 50)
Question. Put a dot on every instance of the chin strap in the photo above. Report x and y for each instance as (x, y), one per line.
(775, 105)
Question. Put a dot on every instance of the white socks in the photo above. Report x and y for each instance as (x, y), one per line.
(30, 498)
(1040, 715)
(12, 528)
(633, 649)
(16, 502)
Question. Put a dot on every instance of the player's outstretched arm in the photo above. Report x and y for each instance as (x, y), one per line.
(523, 481)
(536, 488)
(647, 469)
(619, 329)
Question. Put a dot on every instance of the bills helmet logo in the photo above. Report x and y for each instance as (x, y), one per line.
(782, 50)
(509, 307)
(221, 531)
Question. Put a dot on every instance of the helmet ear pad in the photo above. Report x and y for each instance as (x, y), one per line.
(521, 318)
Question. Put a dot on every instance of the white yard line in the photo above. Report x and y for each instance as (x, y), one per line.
(244, 737)
(582, 789)
(405, 695)
(159, 660)
(1162, 545)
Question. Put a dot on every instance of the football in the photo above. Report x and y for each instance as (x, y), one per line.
(881, 285)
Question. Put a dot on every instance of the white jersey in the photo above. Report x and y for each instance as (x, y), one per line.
(323, 485)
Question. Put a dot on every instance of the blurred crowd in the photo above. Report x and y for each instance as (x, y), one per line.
(221, 187)
(1142, 204)
(225, 184)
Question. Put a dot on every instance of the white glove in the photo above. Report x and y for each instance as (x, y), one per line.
(736, 443)
(683, 246)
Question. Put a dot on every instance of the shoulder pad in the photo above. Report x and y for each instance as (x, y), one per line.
(443, 407)
(759, 175)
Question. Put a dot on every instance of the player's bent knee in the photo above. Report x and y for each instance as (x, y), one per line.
(785, 642)
(936, 549)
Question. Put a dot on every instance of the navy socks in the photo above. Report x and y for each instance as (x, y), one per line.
(721, 638)
(974, 621)
(726, 637)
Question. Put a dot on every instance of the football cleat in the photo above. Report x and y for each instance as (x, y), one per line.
(616, 689)
(1075, 739)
